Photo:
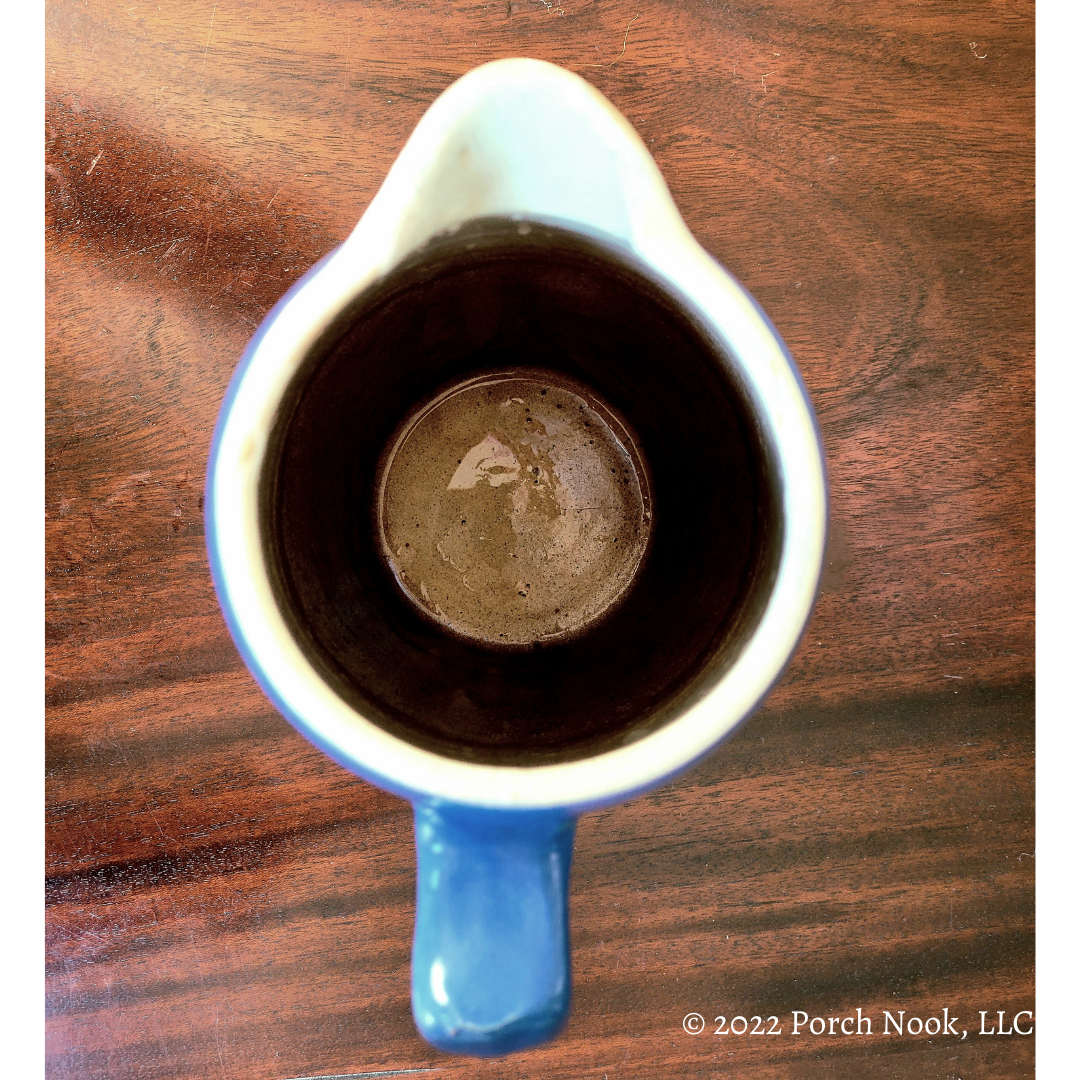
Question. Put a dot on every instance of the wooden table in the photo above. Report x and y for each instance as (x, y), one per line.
(226, 902)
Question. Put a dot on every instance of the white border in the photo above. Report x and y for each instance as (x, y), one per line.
(515, 137)
(22, 439)
(1057, 570)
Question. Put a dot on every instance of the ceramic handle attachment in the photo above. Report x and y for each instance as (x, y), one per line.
(491, 956)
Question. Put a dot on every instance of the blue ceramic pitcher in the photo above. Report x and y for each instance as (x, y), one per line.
(521, 160)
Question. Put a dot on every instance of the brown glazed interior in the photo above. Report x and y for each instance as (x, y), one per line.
(515, 299)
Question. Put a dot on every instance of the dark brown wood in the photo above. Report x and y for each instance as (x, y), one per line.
(226, 902)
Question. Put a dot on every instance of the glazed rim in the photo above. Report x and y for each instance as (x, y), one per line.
(658, 237)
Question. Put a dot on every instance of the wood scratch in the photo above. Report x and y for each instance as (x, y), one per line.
(142, 251)
(763, 77)
(366, 1075)
(206, 47)
(163, 832)
(620, 56)
(217, 1042)
(973, 46)
(273, 197)
(93, 164)
(226, 288)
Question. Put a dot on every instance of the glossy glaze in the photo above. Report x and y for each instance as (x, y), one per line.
(491, 954)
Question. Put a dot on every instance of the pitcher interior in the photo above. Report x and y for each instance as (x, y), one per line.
(578, 323)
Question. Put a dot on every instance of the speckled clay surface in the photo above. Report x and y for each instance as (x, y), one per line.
(514, 507)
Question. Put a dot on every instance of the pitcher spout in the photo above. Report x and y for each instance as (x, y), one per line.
(519, 138)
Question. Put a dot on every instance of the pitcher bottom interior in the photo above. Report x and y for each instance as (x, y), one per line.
(507, 299)
(514, 508)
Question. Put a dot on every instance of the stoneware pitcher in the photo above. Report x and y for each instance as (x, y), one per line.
(516, 508)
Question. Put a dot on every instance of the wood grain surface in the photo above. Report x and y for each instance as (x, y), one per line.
(225, 902)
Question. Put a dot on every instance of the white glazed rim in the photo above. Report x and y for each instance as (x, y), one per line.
(654, 232)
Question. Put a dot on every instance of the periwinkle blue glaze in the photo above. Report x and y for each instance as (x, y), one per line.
(491, 955)
(491, 952)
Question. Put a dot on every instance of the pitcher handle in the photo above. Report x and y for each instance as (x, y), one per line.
(491, 955)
